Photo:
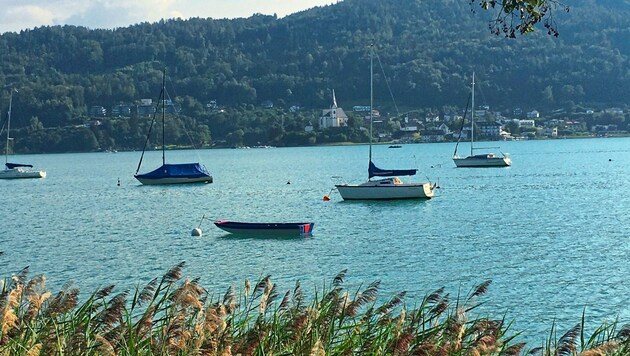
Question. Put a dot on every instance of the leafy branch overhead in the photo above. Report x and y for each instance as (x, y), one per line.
(521, 16)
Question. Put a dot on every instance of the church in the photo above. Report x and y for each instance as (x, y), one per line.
(333, 117)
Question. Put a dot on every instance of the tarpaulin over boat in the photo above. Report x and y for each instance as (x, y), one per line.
(181, 170)
(15, 165)
(374, 171)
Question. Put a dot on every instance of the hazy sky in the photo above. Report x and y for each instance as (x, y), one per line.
(16, 15)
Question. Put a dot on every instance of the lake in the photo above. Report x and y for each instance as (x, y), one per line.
(550, 231)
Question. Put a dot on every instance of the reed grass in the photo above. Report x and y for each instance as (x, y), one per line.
(172, 315)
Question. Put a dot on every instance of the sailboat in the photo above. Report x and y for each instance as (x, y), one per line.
(169, 173)
(479, 160)
(16, 170)
(390, 187)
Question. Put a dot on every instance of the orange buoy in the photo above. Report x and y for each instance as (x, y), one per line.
(326, 198)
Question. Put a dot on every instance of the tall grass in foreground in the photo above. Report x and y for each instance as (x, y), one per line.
(175, 316)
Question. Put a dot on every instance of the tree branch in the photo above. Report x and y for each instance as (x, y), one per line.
(520, 16)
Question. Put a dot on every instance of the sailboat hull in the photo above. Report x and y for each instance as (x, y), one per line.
(19, 173)
(481, 161)
(171, 180)
(385, 189)
(182, 173)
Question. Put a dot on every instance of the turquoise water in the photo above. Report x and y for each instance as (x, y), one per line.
(551, 231)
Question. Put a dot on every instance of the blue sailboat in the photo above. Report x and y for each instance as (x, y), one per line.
(170, 173)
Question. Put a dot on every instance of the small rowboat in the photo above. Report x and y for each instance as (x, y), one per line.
(266, 229)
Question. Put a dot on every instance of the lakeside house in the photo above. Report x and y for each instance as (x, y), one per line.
(527, 123)
(489, 129)
(434, 135)
(97, 111)
(534, 114)
(121, 110)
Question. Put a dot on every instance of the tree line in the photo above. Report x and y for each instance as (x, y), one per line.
(426, 54)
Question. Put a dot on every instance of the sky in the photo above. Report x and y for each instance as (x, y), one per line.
(17, 15)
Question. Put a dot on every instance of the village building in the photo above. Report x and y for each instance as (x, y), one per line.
(97, 111)
(121, 110)
(432, 135)
(527, 123)
(490, 129)
(333, 117)
(534, 114)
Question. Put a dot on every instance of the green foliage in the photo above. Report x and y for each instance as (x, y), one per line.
(175, 316)
(427, 51)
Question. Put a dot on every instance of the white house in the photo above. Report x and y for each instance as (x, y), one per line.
(550, 131)
(534, 114)
(432, 135)
(431, 117)
(409, 129)
(489, 129)
(444, 128)
(333, 117)
(526, 123)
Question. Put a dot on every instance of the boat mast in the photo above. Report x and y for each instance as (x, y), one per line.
(472, 115)
(371, 93)
(163, 113)
(6, 152)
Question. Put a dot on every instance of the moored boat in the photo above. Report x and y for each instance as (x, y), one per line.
(266, 229)
(483, 160)
(21, 171)
(389, 187)
(16, 170)
(180, 173)
(478, 160)
(170, 173)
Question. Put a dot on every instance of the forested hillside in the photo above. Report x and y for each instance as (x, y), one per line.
(428, 50)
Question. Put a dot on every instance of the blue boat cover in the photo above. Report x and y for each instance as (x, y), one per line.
(15, 165)
(180, 170)
(374, 171)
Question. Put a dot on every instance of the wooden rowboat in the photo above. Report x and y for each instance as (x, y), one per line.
(266, 229)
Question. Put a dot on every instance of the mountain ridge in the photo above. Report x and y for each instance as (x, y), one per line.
(428, 51)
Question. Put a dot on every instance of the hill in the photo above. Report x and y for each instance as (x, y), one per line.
(427, 49)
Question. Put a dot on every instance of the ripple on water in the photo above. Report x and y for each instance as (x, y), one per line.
(549, 231)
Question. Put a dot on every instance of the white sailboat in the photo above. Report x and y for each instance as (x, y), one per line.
(479, 160)
(390, 187)
(170, 173)
(16, 170)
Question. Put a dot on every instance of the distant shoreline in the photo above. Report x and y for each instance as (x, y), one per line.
(330, 144)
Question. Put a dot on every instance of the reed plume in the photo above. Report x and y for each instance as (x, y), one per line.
(248, 287)
(568, 341)
(171, 316)
(113, 313)
(9, 305)
(174, 274)
(339, 278)
(318, 349)
(145, 323)
(147, 293)
(34, 350)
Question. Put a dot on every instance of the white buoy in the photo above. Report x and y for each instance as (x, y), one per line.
(197, 231)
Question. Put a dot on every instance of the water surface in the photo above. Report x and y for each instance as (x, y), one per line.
(550, 231)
